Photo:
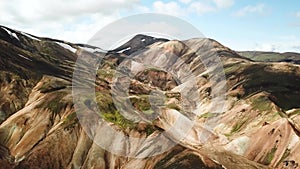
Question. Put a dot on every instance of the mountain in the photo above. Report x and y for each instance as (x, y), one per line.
(233, 112)
(272, 56)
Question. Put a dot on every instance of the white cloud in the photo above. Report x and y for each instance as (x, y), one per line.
(223, 3)
(153, 25)
(298, 14)
(141, 9)
(217, 3)
(170, 8)
(267, 47)
(75, 21)
(287, 38)
(200, 8)
(33, 10)
(281, 46)
(256, 9)
(152, 28)
(189, 7)
(185, 1)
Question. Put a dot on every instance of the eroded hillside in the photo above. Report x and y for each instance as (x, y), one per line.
(254, 124)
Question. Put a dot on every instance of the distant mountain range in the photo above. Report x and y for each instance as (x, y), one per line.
(272, 56)
(257, 95)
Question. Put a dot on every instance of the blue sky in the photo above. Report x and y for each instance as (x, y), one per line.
(268, 25)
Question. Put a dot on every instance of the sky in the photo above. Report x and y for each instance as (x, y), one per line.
(259, 25)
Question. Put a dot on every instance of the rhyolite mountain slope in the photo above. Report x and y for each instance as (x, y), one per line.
(258, 127)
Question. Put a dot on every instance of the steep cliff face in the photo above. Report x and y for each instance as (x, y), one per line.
(254, 124)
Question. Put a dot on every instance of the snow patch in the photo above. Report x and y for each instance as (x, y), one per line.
(66, 46)
(12, 34)
(29, 36)
(91, 50)
(15, 36)
(121, 51)
(24, 57)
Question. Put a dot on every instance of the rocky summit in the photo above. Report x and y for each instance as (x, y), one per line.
(154, 104)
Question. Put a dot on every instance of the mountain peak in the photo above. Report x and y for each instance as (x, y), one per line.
(138, 42)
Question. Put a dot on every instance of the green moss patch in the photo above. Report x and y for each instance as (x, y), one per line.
(207, 115)
(261, 103)
(105, 102)
(105, 73)
(232, 68)
(285, 155)
(173, 106)
(119, 120)
(70, 120)
(237, 126)
(142, 103)
(269, 157)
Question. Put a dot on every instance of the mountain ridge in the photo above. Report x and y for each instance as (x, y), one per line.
(40, 126)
